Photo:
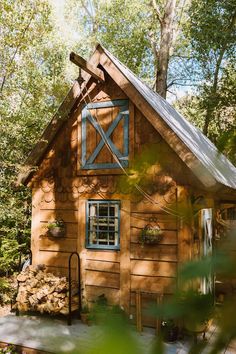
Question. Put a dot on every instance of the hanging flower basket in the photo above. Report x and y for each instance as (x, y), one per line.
(57, 228)
(151, 234)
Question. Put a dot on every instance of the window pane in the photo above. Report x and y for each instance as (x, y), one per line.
(103, 210)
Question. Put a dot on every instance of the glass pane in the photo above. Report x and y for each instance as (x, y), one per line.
(112, 211)
(92, 238)
(92, 209)
(103, 210)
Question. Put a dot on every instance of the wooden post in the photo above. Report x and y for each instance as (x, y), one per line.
(125, 256)
(158, 323)
(185, 230)
(36, 227)
(81, 245)
(139, 311)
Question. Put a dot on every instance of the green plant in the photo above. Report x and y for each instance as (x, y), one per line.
(85, 309)
(6, 291)
(9, 349)
(56, 223)
(151, 234)
(56, 228)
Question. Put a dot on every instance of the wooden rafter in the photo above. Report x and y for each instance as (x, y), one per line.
(90, 69)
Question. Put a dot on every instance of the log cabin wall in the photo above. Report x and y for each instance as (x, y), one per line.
(60, 190)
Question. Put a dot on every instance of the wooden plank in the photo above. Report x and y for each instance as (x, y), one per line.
(112, 295)
(165, 221)
(112, 256)
(70, 204)
(144, 206)
(97, 73)
(71, 230)
(125, 256)
(62, 272)
(104, 266)
(139, 312)
(152, 284)
(147, 320)
(35, 229)
(81, 248)
(148, 301)
(153, 268)
(102, 279)
(57, 244)
(168, 238)
(105, 118)
(66, 215)
(117, 135)
(185, 237)
(91, 136)
(55, 259)
(40, 230)
(166, 253)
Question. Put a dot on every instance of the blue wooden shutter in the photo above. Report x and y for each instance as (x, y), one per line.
(88, 160)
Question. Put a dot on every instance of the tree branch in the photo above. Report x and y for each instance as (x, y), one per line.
(158, 13)
(176, 30)
(86, 10)
(153, 44)
(90, 15)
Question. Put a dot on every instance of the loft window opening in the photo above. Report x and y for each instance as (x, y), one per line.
(105, 124)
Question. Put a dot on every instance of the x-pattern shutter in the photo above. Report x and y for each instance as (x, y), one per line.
(105, 124)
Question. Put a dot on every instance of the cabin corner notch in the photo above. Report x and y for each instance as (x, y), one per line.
(105, 135)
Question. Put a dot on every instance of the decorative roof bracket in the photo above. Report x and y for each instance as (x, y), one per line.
(95, 72)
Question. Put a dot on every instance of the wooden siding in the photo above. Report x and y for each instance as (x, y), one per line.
(61, 190)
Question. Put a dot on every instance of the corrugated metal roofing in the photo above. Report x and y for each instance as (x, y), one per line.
(216, 163)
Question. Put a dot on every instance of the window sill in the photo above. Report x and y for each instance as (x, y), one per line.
(103, 248)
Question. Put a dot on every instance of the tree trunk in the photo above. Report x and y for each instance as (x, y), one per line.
(212, 98)
(163, 55)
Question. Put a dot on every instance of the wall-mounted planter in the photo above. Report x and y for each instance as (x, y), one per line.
(151, 234)
(56, 229)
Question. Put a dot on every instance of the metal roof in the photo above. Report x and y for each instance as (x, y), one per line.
(206, 152)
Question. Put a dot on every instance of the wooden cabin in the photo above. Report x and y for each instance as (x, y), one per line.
(115, 160)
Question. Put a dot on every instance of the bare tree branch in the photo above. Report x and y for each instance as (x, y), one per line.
(86, 9)
(181, 5)
(151, 37)
(158, 13)
(90, 15)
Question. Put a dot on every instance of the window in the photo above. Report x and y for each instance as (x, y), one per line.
(103, 224)
(105, 124)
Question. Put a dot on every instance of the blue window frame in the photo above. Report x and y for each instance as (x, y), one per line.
(103, 224)
(88, 162)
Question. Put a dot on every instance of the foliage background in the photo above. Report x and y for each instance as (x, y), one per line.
(36, 38)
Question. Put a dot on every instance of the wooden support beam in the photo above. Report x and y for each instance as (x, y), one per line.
(125, 256)
(90, 69)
